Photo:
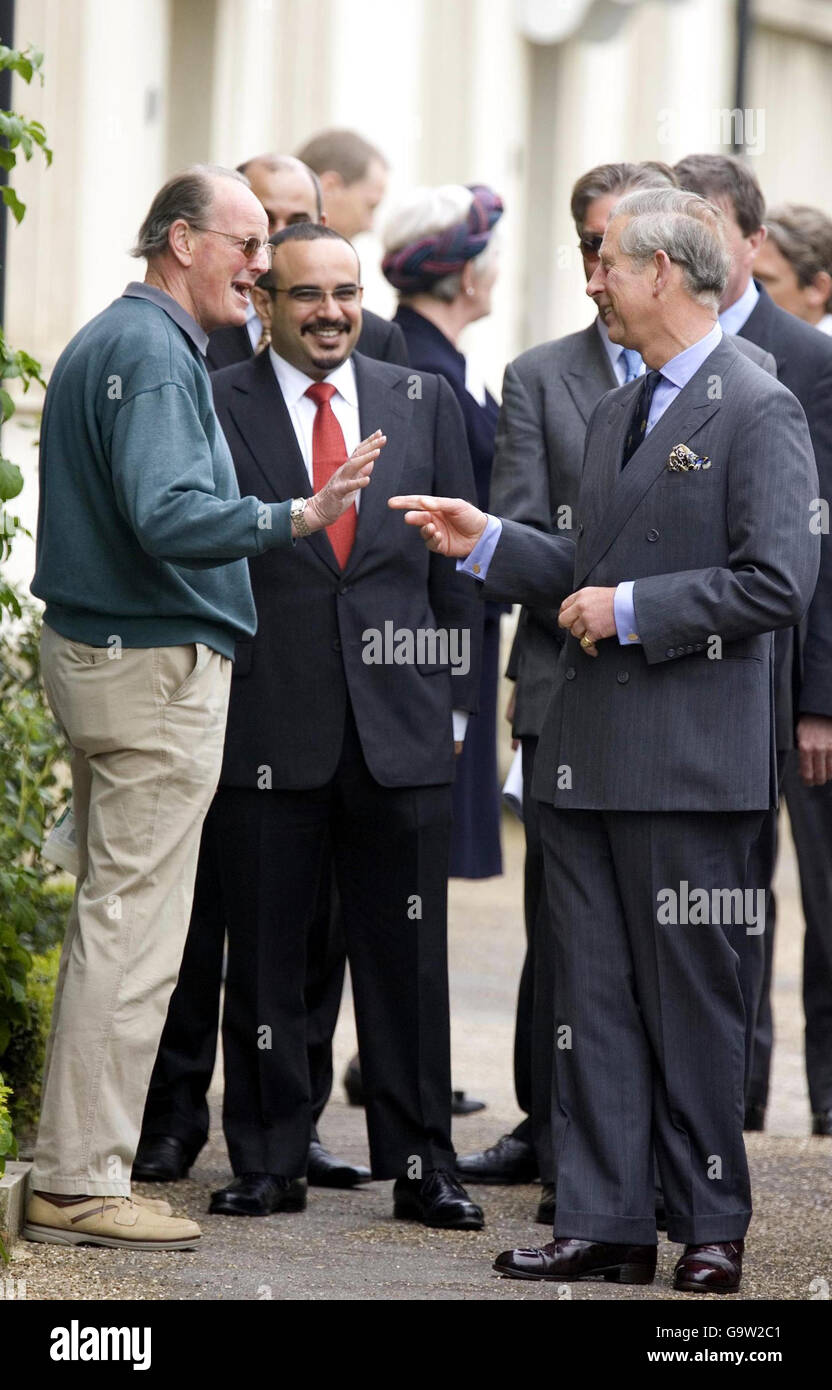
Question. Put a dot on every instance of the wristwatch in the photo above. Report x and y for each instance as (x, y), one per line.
(297, 513)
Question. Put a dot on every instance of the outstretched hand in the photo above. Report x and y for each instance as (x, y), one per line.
(345, 484)
(449, 525)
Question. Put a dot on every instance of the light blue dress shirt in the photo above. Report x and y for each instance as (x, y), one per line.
(674, 375)
(735, 317)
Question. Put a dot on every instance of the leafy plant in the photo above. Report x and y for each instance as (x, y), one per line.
(16, 133)
(30, 745)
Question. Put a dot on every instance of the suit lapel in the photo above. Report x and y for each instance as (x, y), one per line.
(616, 492)
(590, 371)
(262, 418)
(379, 407)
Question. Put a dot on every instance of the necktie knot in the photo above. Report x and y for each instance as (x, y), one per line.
(321, 392)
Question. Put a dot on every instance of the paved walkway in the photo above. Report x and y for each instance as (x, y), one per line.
(347, 1246)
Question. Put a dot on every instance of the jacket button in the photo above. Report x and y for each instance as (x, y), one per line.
(671, 651)
(344, 589)
(652, 534)
(580, 528)
(336, 646)
(689, 650)
(623, 677)
(570, 673)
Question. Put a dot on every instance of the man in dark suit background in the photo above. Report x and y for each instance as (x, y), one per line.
(549, 393)
(656, 761)
(291, 192)
(803, 657)
(337, 736)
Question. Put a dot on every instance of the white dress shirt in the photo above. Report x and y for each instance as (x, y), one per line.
(302, 411)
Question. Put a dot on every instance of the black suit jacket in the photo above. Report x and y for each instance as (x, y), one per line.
(291, 682)
(804, 364)
(378, 338)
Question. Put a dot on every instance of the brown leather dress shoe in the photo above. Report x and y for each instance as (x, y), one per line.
(714, 1268)
(566, 1258)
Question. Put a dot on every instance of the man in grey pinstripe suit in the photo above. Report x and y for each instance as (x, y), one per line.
(656, 760)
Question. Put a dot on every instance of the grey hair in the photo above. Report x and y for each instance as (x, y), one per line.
(687, 228)
(188, 196)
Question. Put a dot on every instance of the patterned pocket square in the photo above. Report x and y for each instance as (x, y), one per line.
(681, 459)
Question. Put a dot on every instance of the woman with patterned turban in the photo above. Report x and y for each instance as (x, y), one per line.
(441, 256)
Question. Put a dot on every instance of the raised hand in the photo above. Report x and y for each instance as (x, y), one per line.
(448, 525)
(345, 484)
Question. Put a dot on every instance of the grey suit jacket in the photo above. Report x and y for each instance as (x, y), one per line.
(680, 722)
(549, 394)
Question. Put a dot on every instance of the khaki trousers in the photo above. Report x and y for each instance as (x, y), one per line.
(146, 729)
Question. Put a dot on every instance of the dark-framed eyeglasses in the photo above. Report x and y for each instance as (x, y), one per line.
(313, 294)
(590, 243)
(250, 246)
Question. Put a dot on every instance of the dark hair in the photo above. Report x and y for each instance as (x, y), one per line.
(284, 163)
(724, 178)
(343, 151)
(803, 235)
(188, 196)
(617, 178)
(303, 231)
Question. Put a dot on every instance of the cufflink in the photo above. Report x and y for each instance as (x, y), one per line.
(632, 636)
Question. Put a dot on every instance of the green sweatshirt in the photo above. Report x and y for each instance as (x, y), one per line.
(141, 528)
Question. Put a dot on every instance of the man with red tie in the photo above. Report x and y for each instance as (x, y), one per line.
(345, 709)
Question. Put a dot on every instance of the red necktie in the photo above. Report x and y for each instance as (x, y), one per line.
(328, 453)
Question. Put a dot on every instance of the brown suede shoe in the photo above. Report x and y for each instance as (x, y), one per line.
(566, 1258)
(714, 1268)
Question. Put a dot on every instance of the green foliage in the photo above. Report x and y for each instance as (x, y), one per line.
(31, 749)
(24, 1056)
(8, 1147)
(30, 744)
(17, 132)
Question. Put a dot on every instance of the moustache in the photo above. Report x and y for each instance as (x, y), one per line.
(342, 325)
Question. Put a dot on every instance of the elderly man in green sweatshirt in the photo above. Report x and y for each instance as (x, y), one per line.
(141, 545)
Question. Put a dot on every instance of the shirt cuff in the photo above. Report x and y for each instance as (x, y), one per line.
(625, 614)
(460, 722)
(481, 556)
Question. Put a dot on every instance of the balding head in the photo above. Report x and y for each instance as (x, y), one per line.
(287, 188)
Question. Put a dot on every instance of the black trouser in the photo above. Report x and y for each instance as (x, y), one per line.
(390, 853)
(533, 1029)
(649, 1024)
(810, 814)
(177, 1097)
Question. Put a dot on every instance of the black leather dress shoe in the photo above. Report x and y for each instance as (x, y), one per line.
(438, 1199)
(822, 1122)
(161, 1158)
(509, 1160)
(353, 1084)
(325, 1170)
(715, 1268)
(546, 1205)
(566, 1258)
(755, 1117)
(461, 1102)
(259, 1194)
